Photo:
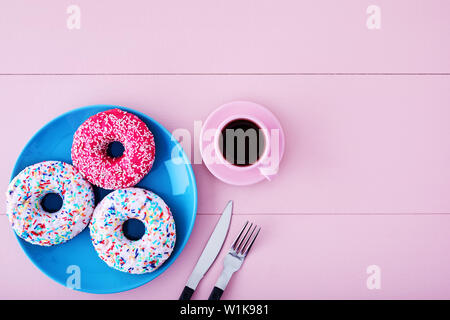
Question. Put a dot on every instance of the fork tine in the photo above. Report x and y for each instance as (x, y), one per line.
(239, 247)
(251, 243)
(242, 250)
(237, 239)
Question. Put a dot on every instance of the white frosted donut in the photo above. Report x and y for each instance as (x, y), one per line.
(140, 256)
(26, 215)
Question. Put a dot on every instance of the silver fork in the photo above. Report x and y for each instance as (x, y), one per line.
(234, 258)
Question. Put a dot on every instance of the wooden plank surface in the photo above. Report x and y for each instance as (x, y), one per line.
(295, 257)
(354, 144)
(365, 178)
(235, 36)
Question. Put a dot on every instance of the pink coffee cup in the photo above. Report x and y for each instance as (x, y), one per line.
(266, 166)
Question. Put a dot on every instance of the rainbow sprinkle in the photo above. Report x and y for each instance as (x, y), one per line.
(140, 256)
(30, 221)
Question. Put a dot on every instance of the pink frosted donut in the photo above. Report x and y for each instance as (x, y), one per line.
(90, 145)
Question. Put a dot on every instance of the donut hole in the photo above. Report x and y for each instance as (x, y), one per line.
(115, 149)
(51, 202)
(133, 229)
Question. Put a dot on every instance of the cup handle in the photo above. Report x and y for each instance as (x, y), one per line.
(269, 167)
(268, 172)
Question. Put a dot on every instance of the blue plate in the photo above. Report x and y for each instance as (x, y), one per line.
(174, 181)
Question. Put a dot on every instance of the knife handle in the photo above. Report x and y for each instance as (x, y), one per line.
(186, 294)
(216, 293)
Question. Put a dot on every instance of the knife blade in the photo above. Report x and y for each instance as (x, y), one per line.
(209, 253)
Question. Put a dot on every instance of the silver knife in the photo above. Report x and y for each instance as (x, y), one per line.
(209, 253)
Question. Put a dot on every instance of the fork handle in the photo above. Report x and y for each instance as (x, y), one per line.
(221, 284)
(216, 293)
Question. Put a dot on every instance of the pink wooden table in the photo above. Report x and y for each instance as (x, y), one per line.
(365, 179)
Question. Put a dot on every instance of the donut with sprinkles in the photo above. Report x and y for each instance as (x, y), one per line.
(133, 256)
(90, 149)
(27, 216)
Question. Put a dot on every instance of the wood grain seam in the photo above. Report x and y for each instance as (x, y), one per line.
(234, 74)
(323, 214)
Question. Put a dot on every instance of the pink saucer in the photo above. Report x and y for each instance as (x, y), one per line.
(266, 167)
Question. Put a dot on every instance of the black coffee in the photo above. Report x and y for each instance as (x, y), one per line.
(242, 142)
